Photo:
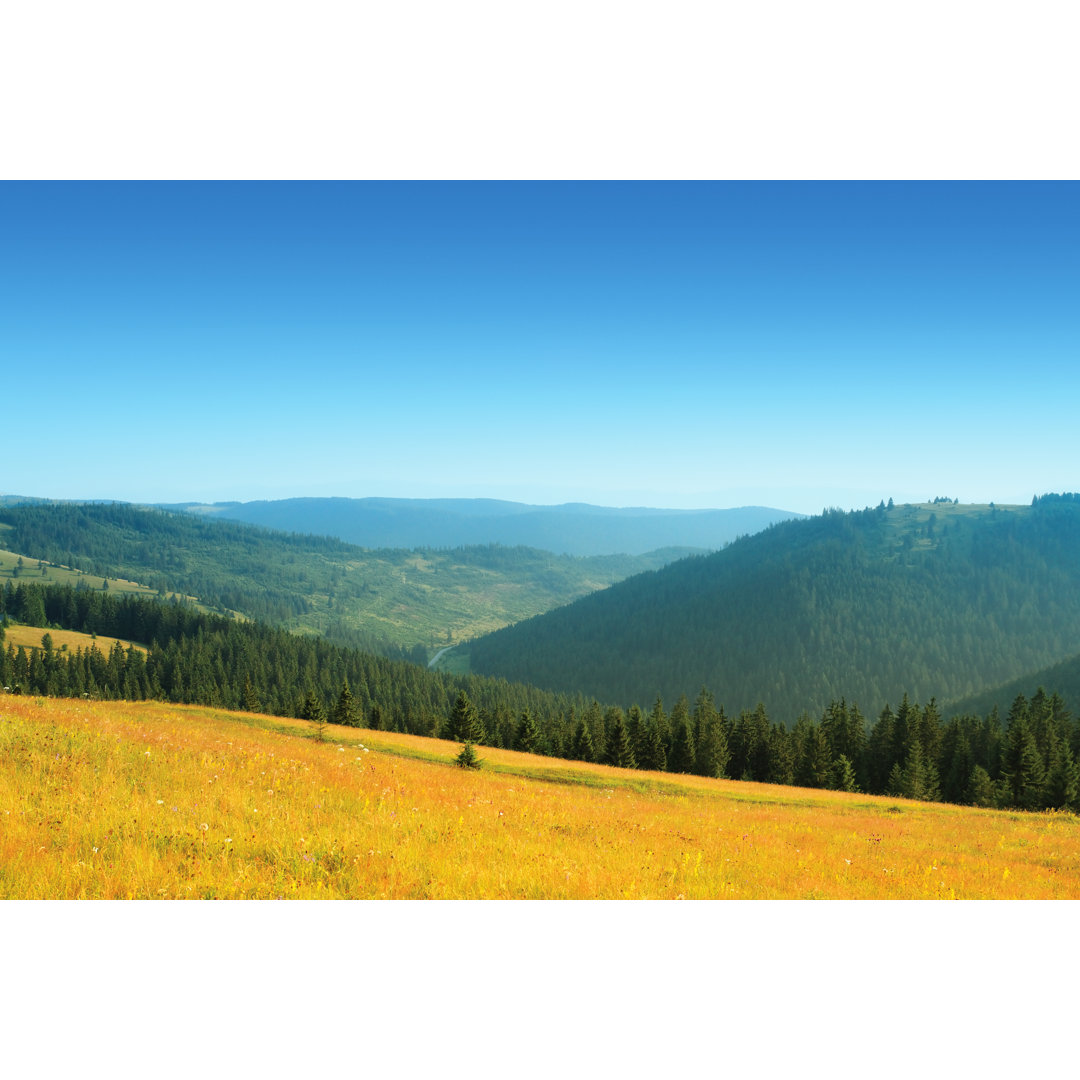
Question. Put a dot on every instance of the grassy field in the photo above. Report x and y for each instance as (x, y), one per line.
(124, 800)
(36, 572)
(63, 640)
(31, 574)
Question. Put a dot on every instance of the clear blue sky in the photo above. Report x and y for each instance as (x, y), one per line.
(786, 344)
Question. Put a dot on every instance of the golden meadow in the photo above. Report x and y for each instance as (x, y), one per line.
(103, 800)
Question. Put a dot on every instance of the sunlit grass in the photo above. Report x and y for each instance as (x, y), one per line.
(103, 800)
(30, 638)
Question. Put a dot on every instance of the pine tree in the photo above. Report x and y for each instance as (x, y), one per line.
(653, 756)
(594, 721)
(1062, 779)
(842, 777)
(680, 714)
(1021, 765)
(344, 711)
(252, 702)
(813, 764)
(528, 734)
(582, 748)
(712, 752)
(620, 753)
(313, 710)
(467, 758)
(464, 724)
(980, 788)
(682, 749)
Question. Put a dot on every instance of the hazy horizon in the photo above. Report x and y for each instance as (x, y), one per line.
(675, 345)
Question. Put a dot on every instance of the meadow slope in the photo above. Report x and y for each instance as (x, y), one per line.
(146, 800)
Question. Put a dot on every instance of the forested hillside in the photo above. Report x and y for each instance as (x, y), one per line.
(192, 657)
(935, 599)
(395, 602)
(195, 657)
(1063, 678)
(573, 529)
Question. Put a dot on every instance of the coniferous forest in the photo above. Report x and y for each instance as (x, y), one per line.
(931, 600)
(1028, 759)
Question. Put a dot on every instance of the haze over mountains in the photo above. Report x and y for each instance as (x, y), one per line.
(571, 529)
(942, 600)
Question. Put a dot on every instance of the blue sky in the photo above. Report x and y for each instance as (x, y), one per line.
(791, 344)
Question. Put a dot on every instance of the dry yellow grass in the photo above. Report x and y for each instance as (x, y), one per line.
(112, 800)
(30, 637)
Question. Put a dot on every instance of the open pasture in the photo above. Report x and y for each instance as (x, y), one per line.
(145, 800)
(29, 637)
(34, 572)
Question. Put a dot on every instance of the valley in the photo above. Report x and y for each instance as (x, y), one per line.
(851, 633)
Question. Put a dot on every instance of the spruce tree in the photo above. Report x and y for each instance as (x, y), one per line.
(344, 712)
(528, 734)
(980, 788)
(467, 757)
(313, 710)
(1021, 765)
(653, 755)
(682, 749)
(619, 751)
(464, 724)
(1062, 779)
(252, 702)
(582, 748)
(842, 777)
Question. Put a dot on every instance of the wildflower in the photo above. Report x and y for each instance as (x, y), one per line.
(228, 839)
(161, 802)
(204, 826)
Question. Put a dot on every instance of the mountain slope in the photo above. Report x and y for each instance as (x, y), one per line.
(927, 600)
(1062, 678)
(573, 529)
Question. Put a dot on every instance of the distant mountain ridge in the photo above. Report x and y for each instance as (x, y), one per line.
(571, 529)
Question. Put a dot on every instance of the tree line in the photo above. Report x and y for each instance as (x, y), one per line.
(1029, 761)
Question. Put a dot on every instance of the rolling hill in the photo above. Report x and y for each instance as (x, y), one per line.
(392, 601)
(572, 529)
(932, 599)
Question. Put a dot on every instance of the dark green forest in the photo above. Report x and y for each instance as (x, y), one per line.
(200, 658)
(1027, 761)
(935, 599)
